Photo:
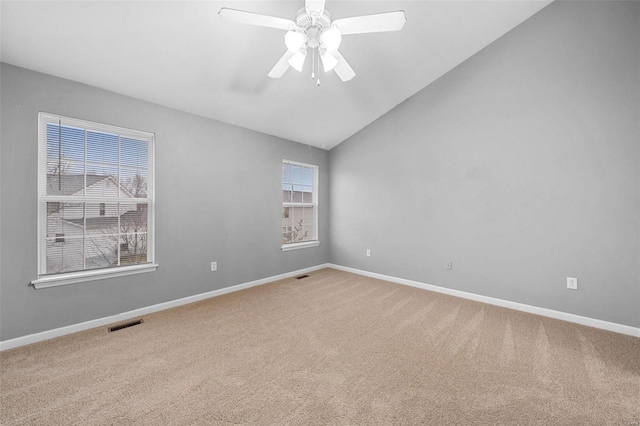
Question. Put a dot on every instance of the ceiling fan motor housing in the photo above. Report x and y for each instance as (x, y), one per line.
(313, 25)
(305, 20)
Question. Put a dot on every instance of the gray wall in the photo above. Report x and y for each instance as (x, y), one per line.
(521, 166)
(218, 196)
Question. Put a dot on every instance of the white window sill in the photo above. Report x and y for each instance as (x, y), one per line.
(296, 246)
(98, 274)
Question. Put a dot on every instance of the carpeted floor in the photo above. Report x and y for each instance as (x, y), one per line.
(333, 348)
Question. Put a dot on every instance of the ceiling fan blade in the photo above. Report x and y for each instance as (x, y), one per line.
(314, 6)
(281, 66)
(242, 17)
(342, 68)
(381, 22)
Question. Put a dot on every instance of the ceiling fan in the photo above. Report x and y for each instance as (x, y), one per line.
(313, 28)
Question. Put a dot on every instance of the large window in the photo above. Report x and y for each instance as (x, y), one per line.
(299, 205)
(95, 201)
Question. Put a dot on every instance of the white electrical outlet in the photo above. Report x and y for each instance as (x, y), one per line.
(449, 265)
(572, 283)
(368, 253)
(214, 266)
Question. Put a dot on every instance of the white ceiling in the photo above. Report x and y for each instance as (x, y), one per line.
(182, 55)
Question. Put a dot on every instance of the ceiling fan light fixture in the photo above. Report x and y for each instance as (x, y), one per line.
(297, 60)
(294, 40)
(314, 29)
(331, 38)
(328, 61)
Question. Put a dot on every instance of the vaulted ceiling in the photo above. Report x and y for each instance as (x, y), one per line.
(180, 54)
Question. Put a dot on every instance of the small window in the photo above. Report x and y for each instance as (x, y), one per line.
(299, 205)
(95, 194)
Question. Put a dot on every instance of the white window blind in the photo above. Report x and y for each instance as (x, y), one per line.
(299, 205)
(95, 199)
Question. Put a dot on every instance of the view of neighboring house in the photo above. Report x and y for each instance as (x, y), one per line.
(297, 221)
(85, 235)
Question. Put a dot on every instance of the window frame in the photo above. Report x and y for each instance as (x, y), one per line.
(314, 204)
(45, 280)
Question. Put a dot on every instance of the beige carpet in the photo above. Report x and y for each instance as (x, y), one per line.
(333, 348)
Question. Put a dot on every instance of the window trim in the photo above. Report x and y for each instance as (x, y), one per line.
(314, 204)
(64, 278)
(296, 246)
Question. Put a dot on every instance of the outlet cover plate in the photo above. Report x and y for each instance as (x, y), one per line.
(572, 283)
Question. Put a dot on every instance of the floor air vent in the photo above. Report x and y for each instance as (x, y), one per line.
(126, 325)
(301, 277)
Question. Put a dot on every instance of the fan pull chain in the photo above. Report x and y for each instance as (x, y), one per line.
(313, 63)
(318, 62)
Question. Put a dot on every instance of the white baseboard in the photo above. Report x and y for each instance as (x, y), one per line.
(100, 322)
(591, 322)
